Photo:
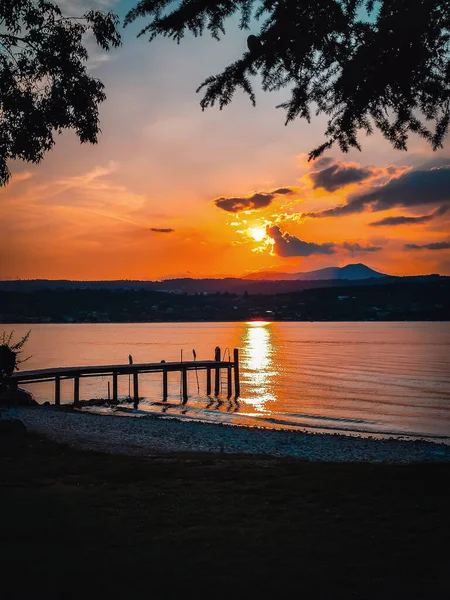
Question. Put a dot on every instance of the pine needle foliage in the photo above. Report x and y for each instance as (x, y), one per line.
(367, 65)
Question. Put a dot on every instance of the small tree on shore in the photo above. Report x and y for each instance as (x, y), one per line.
(9, 356)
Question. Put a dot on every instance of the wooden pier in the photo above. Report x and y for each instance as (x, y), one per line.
(218, 365)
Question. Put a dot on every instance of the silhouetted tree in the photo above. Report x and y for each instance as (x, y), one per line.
(365, 64)
(44, 85)
(9, 356)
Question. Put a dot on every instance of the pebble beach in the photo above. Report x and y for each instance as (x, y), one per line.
(156, 435)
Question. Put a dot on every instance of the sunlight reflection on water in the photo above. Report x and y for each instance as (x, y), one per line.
(257, 364)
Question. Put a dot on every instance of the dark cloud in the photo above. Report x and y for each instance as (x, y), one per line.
(414, 188)
(289, 245)
(404, 220)
(356, 248)
(258, 200)
(282, 191)
(401, 220)
(432, 246)
(339, 175)
(323, 162)
(161, 230)
(235, 205)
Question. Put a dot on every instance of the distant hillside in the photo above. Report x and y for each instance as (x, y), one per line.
(354, 272)
(181, 285)
(382, 299)
(210, 286)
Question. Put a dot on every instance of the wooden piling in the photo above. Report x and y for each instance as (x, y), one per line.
(165, 386)
(237, 385)
(208, 381)
(184, 381)
(115, 386)
(57, 390)
(217, 372)
(135, 387)
(229, 380)
(76, 391)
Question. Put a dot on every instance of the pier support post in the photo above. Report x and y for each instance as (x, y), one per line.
(57, 390)
(229, 391)
(208, 381)
(165, 386)
(115, 386)
(135, 389)
(237, 385)
(184, 381)
(76, 391)
(217, 372)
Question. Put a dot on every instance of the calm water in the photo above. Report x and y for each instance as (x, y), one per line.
(385, 378)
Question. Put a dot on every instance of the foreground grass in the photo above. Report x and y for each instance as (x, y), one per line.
(79, 525)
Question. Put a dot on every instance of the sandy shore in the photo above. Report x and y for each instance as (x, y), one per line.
(147, 436)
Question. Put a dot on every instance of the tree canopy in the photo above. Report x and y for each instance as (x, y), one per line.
(44, 84)
(366, 64)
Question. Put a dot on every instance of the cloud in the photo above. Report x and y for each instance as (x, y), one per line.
(404, 220)
(431, 246)
(234, 205)
(339, 175)
(411, 189)
(17, 177)
(283, 191)
(162, 229)
(323, 162)
(75, 8)
(289, 245)
(434, 162)
(356, 248)
(254, 202)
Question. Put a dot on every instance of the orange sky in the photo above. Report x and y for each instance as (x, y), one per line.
(93, 212)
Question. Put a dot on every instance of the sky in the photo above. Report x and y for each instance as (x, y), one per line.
(171, 191)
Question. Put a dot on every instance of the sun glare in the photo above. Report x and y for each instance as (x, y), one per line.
(257, 233)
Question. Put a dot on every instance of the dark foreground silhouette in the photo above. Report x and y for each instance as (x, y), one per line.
(83, 525)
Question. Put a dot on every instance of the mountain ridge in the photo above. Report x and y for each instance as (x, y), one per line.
(350, 272)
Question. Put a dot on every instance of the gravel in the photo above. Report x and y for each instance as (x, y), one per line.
(149, 436)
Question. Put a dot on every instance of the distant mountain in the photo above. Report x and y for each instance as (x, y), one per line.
(356, 275)
(354, 272)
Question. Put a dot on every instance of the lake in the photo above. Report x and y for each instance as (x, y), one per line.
(360, 378)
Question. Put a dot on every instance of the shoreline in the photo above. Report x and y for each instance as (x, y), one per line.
(147, 436)
(260, 319)
(258, 422)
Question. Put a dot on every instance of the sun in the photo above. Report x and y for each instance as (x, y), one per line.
(257, 233)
